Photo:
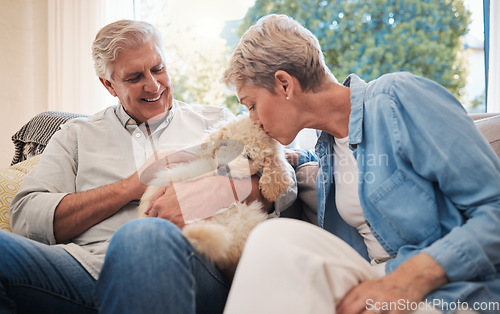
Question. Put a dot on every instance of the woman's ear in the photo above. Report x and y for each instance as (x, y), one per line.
(108, 85)
(284, 83)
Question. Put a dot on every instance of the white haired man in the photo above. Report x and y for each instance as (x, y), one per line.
(87, 186)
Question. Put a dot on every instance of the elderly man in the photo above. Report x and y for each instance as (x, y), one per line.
(87, 185)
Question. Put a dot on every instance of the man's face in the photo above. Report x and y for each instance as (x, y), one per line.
(140, 80)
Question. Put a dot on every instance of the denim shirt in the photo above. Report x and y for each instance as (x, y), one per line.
(428, 182)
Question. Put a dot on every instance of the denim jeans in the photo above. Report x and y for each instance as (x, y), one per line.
(151, 268)
(38, 278)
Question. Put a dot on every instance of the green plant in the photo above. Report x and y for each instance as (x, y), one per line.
(373, 37)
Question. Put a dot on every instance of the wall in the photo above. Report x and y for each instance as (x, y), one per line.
(23, 83)
(46, 59)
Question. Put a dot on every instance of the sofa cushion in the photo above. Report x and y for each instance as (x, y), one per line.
(306, 183)
(490, 127)
(10, 182)
(305, 207)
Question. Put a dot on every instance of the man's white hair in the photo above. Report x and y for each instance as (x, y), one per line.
(117, 36)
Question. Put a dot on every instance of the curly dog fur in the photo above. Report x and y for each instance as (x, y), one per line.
(221, 237)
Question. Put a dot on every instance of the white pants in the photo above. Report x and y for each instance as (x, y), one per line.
(290, 266)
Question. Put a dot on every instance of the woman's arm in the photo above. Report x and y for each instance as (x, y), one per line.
(441, 143)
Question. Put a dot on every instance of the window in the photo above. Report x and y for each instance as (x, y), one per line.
(199, 36)
(475, 90)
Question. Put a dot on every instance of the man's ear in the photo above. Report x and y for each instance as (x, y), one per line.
(284, 83)
(108, 85)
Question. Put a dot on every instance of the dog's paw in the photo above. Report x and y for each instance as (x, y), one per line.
(211, 240)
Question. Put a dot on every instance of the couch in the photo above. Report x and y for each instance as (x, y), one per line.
(31, 139)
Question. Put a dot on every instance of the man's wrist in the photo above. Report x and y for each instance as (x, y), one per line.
(132, 187)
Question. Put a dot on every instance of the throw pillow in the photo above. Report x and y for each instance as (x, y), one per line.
(490, 127)
(306, 182)
(10, 182)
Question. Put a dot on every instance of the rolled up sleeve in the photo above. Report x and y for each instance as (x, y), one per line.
(32, 209)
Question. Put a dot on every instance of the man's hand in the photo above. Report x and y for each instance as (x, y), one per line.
(193, 200)
(408, 284)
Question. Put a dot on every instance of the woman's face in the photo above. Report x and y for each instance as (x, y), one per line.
(271, 111)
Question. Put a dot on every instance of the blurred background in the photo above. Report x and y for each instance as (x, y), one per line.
(47, 65)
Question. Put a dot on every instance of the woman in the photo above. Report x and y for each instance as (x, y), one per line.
(405, 179)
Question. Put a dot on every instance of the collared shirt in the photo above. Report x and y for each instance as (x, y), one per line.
(90, 153)
(428, 182)
(144, 144)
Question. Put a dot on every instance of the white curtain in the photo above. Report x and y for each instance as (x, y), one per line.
(494, 58)
(23, 62)
(72, 26)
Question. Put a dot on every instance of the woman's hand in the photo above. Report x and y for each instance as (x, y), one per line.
(403, 289)
(374, 296)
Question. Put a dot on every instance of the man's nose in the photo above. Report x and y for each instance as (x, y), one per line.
(151, 84)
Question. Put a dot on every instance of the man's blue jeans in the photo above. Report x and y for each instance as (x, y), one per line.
(150, 268)
(38, 278)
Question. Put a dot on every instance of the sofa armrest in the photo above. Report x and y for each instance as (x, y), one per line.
(482, 115)
(490, 127)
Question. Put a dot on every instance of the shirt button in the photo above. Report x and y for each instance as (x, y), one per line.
(137, 135)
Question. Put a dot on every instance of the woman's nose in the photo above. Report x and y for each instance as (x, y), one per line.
(255, 117)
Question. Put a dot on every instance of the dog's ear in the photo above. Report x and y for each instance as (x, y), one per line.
(275, 178)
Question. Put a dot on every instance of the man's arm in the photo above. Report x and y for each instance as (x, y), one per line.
(78, 212)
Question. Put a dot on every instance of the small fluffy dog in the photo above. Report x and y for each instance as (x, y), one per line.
(238, 148)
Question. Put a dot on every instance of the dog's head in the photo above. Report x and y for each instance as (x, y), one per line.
(260, 153)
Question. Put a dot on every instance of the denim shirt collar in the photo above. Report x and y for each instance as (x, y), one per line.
(324, 145)
(357, 90)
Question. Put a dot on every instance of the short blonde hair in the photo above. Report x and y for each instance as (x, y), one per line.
(117, 36)
(276, 42)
